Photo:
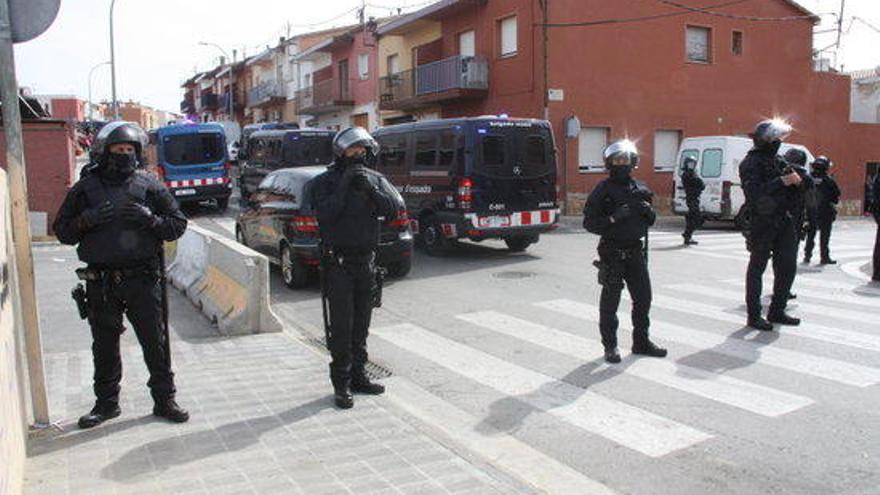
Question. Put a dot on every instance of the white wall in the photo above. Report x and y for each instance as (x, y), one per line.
(865, 101)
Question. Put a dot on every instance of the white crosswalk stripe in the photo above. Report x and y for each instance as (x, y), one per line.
(629, 426)
(798, 362)
(867, 302)
(738, 393)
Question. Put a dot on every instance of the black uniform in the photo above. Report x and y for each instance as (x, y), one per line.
(772, 210)
(875, 210)
(348, 208)
(119, 224)
(621, 254)
(827, 197)
(693, 188)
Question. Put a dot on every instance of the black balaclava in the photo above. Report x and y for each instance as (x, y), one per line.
(118, 166)
(620, 173)
(770, 148)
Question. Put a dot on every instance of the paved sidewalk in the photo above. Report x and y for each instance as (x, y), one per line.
(262, 418)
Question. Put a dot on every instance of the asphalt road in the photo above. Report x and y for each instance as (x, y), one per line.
(510, 344)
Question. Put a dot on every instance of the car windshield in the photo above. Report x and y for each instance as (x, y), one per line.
(193, 149)
(300, 150)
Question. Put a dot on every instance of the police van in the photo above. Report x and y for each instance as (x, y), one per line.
(276, 149)
(473, 178)
(718, 159)
(193, 162)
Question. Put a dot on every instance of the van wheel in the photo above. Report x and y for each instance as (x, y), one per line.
(517, 244)
(294, 273)
(222, 204)
(239, 236)
(432, 237)
(401, 268)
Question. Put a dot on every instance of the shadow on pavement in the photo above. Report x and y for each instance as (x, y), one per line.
(714, 360)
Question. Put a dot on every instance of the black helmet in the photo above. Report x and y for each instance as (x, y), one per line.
(821, 164)
(689, 163)
(119, 132)
(796, 157)
(623, 152)
(354, 136)
(770, 131)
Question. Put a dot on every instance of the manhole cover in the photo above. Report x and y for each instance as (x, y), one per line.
(513, 275)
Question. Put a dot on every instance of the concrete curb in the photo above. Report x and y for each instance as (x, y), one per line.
(227, 281)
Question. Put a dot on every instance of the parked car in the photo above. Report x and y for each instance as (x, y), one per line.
(473, 178)
(192, 161)
(273, 222)
(718, 159)
(276, 149)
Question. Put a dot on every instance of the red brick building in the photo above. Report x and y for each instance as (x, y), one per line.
(670, 74)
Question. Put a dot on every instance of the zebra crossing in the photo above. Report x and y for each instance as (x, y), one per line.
(569, 328)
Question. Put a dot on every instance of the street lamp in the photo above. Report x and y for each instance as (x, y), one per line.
(229, 61)
(90, 85)
(113, 64)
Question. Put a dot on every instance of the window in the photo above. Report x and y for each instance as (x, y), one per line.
(591, 143)
(665, 148)
(507, 30)
(493, 151)
(446, 152)
(699, 47)
(393, 64)
(364, 66)
(426, 149)
(193, 149)
(711, 163)
(466, 44)
(695, 154)
(736, 43)
(392, 152)
(536, 151)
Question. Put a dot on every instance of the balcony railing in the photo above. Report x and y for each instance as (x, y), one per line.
(209, 101)
(264, 93)
(325, 96)
(449, 78)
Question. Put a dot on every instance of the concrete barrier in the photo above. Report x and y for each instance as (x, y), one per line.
(227, 281)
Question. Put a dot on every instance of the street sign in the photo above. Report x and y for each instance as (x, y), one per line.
(31, 18)
(556, 94)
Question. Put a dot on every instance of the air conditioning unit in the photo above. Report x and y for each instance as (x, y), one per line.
(473, 73)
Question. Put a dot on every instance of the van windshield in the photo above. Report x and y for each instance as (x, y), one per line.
(193, 149)
(308, 150)
(515, 152)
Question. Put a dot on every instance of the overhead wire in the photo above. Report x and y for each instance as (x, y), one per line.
(627, 20)
(709, 11)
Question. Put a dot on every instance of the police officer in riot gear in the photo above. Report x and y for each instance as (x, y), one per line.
(875, 211)
(118, 217)
(619, 210)
(770, 187)
(348, 200)
(693, 188)
(828, 195)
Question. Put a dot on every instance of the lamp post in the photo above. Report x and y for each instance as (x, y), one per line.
(229, 61)
(113, 64)
(90, 86)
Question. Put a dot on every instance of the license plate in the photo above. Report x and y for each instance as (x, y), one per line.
(495, 221)
(184, 192)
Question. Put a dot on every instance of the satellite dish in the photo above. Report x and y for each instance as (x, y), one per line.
(31, 18)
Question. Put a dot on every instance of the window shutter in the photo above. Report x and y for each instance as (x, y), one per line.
(591, 142)
(508, 36)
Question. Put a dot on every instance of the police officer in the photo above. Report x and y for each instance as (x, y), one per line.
(770, 187)
(348, 200)
(619, 210)
(693, 188)
(828, 195)
(803, 196)
(118, 217)
(875, 210)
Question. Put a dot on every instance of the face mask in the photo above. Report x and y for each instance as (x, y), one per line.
(771, 147)
(620, 173)
(121, 163)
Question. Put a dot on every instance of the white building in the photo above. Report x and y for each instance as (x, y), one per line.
(865, 96)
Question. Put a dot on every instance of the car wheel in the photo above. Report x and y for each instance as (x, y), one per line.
(432, 237)
(294, 273)
(400, 268)
(239, 236)
(517, 244)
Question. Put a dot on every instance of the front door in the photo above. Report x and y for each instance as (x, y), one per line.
(343, 80)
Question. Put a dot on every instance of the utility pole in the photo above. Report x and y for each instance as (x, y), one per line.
(839, 29)
(113, 64)
(545, 7)
(21, 233)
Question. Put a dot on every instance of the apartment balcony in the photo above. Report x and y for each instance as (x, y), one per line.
(452, 78)
(187, 106)
(209, 101)
(265, 94)
(331, 95)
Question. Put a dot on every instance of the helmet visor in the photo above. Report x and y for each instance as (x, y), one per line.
(354, 136)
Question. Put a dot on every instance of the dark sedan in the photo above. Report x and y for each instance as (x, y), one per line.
(272, 223)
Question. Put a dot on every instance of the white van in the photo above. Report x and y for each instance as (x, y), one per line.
(718, 159)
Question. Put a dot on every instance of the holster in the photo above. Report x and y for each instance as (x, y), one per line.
(378, 284)
(610, 272)
(82, 303)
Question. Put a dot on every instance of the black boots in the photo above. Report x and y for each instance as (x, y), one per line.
(342, 398)
(647, 348)
(690, 242)
(100, 413)
(828, 261)
(169, 410)
(780, 317)
(759, 323)
(362, 385)
(612, 355)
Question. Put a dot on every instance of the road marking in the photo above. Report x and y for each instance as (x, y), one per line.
(867, 301)
(500, 449)
(811, 308)
(754, 398)
(629, 426)
(755, 352)
(854, 269)
(824, 283)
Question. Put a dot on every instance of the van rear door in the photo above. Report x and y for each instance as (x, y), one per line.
(194, 156)
(711, 168)
(679, 198)
(514, 167)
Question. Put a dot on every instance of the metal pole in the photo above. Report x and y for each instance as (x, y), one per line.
(21, 233)
(226, 57)
(113, 64)
(90, 86)
(545, 7)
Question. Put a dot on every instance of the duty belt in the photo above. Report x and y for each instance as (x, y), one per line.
(353, 258)
(116, 275)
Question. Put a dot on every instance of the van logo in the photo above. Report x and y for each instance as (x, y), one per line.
(517, 170)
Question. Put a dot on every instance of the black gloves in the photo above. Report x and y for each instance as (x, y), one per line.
(139, 214)
(93, 217)
(621, 213)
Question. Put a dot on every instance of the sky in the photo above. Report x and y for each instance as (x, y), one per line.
(157, 41)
